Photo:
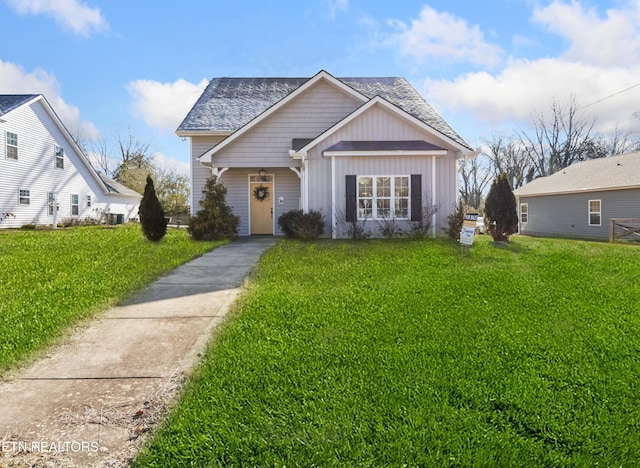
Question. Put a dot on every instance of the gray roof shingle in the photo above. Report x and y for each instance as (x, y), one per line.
(8, 102)
(612, 173)
(227, 104)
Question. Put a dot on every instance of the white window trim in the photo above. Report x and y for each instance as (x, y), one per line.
(27, 196)
(599, 212)
(76, 204)
(374, 198)
(7, 145)
(58, 153)
(523, 205)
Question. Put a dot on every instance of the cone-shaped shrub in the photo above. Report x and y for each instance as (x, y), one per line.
(154, 224)
(501, 215)
(216, 219)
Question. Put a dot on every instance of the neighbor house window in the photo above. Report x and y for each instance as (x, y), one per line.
(88, 200)
(59, 153)
(12, 145)
(595, 213)
(50, 200)
(381, 197)
(24, 197)
(74, 205)
(524, 213)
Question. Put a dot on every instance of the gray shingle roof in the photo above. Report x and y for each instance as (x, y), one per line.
(227, 104)
(8, 102)
(614, 172)
(116, 187)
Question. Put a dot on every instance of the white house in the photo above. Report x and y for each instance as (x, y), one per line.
(359, 150)
(41, 163)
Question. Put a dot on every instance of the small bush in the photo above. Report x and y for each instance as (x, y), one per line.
(216, 219)
(455, 221)
(297, 224)
(389, 228)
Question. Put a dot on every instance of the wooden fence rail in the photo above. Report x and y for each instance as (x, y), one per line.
(624, 227)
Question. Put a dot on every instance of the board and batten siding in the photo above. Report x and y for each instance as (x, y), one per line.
(381, 124)
(35, 170)
(286, 185)
(392, 166)
(567, 215)
(305, 116)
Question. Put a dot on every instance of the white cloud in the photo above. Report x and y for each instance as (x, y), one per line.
(601, 58)
(69, 14)
(613, 40)
(164, 105)
(14, 80)
(527, 87)
(444, 36)
(167, 163)
(336, 6)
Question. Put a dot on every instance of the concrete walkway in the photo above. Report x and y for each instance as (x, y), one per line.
(91, 400)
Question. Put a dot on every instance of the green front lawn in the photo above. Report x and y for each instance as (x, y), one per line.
(392, 353)
(50, 280)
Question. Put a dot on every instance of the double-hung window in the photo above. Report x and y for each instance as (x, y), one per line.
(383, 197)
(24, 197)
(595, 213)
(524, 213)
(75, 209)
(12, 145)
(59, 154)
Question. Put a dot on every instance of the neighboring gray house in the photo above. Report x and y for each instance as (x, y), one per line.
(580, 200)
(355, 149)
(44, 176)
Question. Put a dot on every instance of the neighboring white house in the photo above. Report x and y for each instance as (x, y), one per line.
(41, 163)
(580, 200)
(359, 150)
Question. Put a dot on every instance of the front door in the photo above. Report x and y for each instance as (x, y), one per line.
(261, 206)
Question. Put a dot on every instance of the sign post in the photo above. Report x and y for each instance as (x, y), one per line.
(468, 229)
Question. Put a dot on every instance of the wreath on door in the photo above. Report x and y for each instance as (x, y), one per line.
(261, 193)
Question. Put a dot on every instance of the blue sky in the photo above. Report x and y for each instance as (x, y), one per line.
(111, 66)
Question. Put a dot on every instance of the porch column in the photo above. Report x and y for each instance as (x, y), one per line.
(300, 174)
(434, 195)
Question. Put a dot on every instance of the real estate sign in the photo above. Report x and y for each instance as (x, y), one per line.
(468, 228)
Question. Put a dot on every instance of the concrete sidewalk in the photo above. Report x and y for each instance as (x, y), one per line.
(90, 401)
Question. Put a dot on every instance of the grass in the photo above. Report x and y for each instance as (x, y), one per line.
(50, 280)
(410, 353)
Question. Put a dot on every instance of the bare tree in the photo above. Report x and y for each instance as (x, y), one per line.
(507, 156)
(620, 141)
(475, 176)
(558, 139)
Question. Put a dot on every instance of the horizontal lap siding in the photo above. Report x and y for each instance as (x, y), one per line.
(568, 215)
(306, 116)
(199, 173)
(35, 171)
(287, 185)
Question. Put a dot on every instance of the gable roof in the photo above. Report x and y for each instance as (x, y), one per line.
(8, 102)
(612, 173)
(116, 188)
(228, 104)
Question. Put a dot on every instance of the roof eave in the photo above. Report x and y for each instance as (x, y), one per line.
(383, 153)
